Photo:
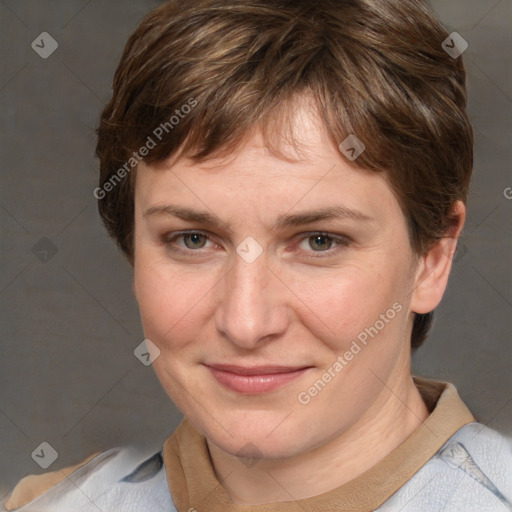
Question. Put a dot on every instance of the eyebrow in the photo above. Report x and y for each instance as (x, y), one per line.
(283, 221)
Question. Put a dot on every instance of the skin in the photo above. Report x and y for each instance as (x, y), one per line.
(287, 307)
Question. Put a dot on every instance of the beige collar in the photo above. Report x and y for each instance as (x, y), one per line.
(32, 486)
(194, 485)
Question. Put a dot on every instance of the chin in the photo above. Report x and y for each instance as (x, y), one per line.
(257, 448)
(261, 436)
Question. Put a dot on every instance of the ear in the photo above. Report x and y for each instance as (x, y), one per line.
(434, 267)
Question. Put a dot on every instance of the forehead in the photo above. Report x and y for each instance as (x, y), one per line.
(309, 172)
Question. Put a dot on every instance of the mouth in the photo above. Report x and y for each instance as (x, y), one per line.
(255, 379)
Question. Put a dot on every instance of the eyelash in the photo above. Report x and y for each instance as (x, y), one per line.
(342, 243)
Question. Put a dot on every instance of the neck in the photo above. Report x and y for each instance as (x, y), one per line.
(388, 423)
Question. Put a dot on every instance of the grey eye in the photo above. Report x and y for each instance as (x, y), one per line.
(320, 242)
(195, 239)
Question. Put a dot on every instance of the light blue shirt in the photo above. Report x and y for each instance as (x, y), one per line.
(472, 472)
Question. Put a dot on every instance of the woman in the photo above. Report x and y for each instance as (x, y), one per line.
(289, 180)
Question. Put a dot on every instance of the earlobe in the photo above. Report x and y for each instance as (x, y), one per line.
(434, 267)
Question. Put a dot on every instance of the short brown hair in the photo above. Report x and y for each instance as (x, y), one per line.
(376, 69)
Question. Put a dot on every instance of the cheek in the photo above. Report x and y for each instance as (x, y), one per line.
(339, 305)
(168, 302)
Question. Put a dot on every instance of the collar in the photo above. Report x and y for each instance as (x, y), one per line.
(194, 485)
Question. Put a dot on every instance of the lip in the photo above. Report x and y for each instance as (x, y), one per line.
(255, 379)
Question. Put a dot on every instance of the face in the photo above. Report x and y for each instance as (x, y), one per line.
(279, 314)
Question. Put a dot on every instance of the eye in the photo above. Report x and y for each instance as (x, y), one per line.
(197, 240)
(322, 243)
(193, 241)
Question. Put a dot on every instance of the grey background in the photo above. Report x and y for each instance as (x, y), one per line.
(70, 323)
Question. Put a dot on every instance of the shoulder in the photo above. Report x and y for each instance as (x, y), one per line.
(126, 477)
(472, 471)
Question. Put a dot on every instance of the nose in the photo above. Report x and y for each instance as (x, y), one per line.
(252, 304)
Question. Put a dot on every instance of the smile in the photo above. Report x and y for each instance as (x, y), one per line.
(256, 379)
